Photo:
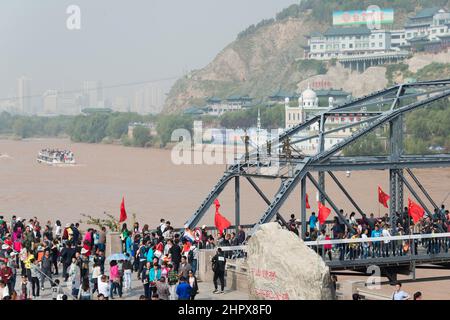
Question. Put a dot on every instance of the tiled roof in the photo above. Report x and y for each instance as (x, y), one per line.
(426, 13)
(214, 100)
(315, 34)
(350, 31)
(332, 92)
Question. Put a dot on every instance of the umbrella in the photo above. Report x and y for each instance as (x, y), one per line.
(117, 256)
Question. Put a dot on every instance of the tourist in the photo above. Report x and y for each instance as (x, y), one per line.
(55, 251)
(124, 235)
(162, 289)
(96, 273)
(145, 278)
(4, 291)
(34, 272)
(398, 293)
(218, 267)
(103, 287)
(172, 278)
(12, 264)
(184, 290)
(184, 268)
(99, 258)
(386, 243)
(192, 280)
(127, 271)
(115, 280)
(46, 269)
(58, 230)
(56, 289)
(74, 276)
(67, 254)
(154, 276)
(102, 239)
(84, 293)
(365, 244)
(175, 254)
(376, 233)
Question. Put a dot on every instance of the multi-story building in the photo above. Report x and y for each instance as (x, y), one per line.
(92, 94)
(361, 47)
(308, 105)
(428, 30)
(50, 102)
(217, 106)
(342, 42)
(24, 95)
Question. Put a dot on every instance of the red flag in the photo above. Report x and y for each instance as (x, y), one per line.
(324, 212)
(220, 221)
(123, 212)
(415, 211)
(383, 198)
(307, 202)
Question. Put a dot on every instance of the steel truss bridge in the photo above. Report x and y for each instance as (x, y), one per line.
(283, 160)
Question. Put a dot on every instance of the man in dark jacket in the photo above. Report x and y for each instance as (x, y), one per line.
(75, 233)
(175, 254)
(218, 266)
(67, 253)
(46, 268)
(240, 236)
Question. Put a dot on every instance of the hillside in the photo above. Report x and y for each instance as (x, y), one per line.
(264, 57)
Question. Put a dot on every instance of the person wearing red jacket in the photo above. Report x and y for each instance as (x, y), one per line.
(6, 275)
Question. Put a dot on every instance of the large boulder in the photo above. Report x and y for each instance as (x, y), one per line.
(282, 267)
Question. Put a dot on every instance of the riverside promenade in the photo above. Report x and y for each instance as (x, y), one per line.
(205, 291)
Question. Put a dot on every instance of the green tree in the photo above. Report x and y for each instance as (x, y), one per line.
(141, 136)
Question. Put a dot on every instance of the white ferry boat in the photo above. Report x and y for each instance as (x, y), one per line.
(55, 157)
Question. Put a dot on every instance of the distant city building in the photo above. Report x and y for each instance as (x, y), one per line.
(68, 104)
(50, 102)
(121, 104)
(24, 95)
(92, 92)
(149, 99)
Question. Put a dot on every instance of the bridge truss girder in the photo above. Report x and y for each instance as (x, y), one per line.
(381, 108)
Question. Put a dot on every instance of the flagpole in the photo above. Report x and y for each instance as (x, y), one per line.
(379, 215)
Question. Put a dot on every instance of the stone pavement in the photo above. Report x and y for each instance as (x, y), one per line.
(205, 291)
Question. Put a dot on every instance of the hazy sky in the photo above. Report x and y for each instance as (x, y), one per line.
(119, 41)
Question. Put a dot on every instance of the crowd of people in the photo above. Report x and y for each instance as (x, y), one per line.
(74, 265)
(59, 155)
(369, 227)
(71, 263)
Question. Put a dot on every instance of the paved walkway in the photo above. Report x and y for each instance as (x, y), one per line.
(205, 291)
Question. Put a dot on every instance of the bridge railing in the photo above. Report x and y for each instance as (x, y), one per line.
(415, 245)
(407, 247)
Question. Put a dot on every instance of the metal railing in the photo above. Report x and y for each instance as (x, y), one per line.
(415, 246)
(433, 246)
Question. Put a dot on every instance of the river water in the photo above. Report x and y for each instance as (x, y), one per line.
(152, 185)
